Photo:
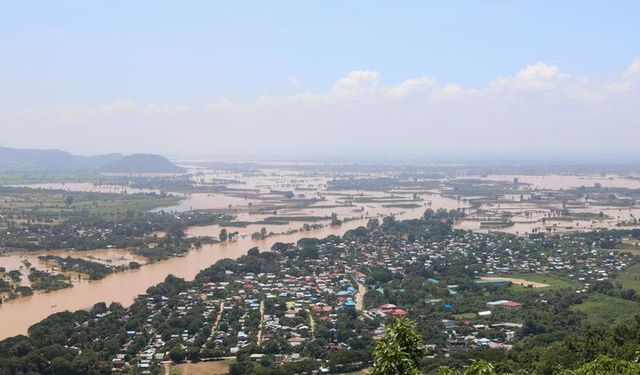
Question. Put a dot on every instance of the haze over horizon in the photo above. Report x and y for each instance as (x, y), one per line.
(306, 80)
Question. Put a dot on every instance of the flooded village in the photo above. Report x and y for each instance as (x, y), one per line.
(303, 267)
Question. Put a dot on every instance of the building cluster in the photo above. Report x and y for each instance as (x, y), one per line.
(308, 300)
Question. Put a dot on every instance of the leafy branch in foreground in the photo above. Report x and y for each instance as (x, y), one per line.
(605, 365)
(399, 351)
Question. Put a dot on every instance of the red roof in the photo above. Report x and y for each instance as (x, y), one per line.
(388, 306)
(321, 308)
(512, 304)
(399, 312)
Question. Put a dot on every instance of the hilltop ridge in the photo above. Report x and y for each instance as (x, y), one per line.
(39, 160)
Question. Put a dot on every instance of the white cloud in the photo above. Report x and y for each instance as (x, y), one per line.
(633, 71)
(411, 86)
(539, 108)
(293, 81)
(357, 82)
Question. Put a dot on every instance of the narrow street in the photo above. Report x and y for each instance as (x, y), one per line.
(261, 322)
(217, 321)
(312, 326)
(362, 289)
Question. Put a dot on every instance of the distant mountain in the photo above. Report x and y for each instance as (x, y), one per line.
(13, 159)
(33, 160)
(141, 163)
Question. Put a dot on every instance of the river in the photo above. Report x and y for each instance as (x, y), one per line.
(19, 314)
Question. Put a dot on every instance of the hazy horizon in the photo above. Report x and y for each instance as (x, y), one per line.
(304, 80)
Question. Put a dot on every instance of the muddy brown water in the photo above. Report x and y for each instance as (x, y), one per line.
(17, 315)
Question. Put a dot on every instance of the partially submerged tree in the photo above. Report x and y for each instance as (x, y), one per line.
(223, 235)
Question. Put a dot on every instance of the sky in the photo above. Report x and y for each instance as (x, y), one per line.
(313, 79)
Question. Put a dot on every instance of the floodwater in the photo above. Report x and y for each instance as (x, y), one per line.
(557, 182)
(208, 202)
(18, 260)
(17, 315)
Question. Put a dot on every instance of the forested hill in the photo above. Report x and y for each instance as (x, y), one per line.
(13, 159)
(36, 160)
(141, 163)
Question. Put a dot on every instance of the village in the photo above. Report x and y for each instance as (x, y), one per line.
(330, 299)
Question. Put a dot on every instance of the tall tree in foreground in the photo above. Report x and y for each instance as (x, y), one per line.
(399, 351)
(475, 368)
(605, 365)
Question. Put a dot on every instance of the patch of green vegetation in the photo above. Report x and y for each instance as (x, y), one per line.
(480, 188)
(600, 308)
(628, 245)
(96, 271)
(402, 205)
(9, 178)
(36, 219)
(391, 200)
(464, 316)
(295, 218)
(41, 280)
(45, 205)
(554, 282)
(142, 204)
(237, 224)
(630, 278)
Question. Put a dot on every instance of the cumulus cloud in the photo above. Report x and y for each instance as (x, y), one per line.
(293, 81)
(633, 71)
(539, 108)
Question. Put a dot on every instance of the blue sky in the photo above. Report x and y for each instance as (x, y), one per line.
(190, 53)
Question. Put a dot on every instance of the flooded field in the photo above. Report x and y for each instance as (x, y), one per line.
(123, 287)
(557, 182)
(260, 200)
(552, 203)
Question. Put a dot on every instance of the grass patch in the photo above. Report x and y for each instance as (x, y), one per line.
(51, 204)
(630, 278)
(628, 245)
(15, 178)
(554, 282)
(465, 316)
(402, 205)
(600, 308)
